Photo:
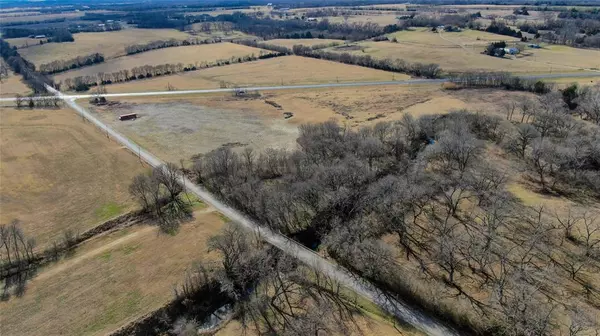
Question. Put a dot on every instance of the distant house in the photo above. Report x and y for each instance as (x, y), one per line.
(270, 4)
(534, 46)
(110, 21)
(511, 51)
(311, 19)
(101, 25)
(39, 36)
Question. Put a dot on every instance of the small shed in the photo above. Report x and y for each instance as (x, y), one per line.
(511, 51)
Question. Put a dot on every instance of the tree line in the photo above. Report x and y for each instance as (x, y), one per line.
(83, 83)
(397, 65)
(19, 65)
(138, 48)
(499, 80)
(74, 63)
(430, 184)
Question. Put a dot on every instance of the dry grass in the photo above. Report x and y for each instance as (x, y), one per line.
(558, 57)
(177, 127)
(456, 58)
(13, 85)
(461, 51)
(380, 19)
(109, 281)
(110, 44)
(60, 173)
(425, 37)
(289, 43)
(24, 42)
(196, 54)
(43, 17)
(287, 70)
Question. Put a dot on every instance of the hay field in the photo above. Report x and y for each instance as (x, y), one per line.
(60, 173)
(289, 43)
(13, 85)
(109, 281)
(286, 70)
(110, 44)
(195, 54)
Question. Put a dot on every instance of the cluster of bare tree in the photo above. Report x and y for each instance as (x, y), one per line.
(485, 257)
(16, 252)
(74, 63)
(563, 151)
(159, 193)
(272, 293)
(83, 83)
(40, 101)
(500, 79)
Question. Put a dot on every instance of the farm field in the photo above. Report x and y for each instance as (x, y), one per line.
(289, 43)
(24, 42)
(13, 85)
(462, 52)
(563, 56)
(60, 173)
(110, 44)
(467, 37)
(380, 19)
(195, 54)
(179, 127)
(109, 280)
(286, 70)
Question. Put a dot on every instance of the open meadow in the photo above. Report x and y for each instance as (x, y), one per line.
(110, 44)
(194, 54)
(110, 280)
(60, 173)
(380, 19)
(286, 70)
(19, 17)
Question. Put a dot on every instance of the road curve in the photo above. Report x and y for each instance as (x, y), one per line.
(394, 307)
(299, 87)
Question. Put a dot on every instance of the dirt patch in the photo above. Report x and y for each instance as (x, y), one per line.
(179, 130)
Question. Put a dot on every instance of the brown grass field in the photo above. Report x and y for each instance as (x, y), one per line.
(287, 70)
(380, 19)
(60, 173)
(13, 85)
(289, 43)
(25, 42)
(36, 18)
(178, 127)
(462, 52)
(110, 44)
(109, 281)
(196, 54)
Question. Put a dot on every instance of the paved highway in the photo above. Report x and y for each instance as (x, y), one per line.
(394, 307)
(306, 86)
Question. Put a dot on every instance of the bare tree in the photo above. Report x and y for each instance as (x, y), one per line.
(589, 231)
